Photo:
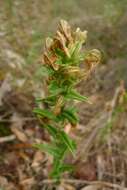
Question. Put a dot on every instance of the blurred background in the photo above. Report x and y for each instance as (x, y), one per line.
(24, 25)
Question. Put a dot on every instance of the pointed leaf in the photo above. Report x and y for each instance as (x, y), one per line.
(70, 114)
(44, 71)
(51, 149)
(55, 171)
(68, 141)
(66, 167)
(52, 130)
(44, 113)
(54, 88)
(76, 96)
(49, 100)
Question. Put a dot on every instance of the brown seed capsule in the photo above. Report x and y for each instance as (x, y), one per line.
(80, 36)
(48, 43)
(72, 71)
(60, 37)
(50, 60)
(65, 29)
(92, 59)
(57, 108)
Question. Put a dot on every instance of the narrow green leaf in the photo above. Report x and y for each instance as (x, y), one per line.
(66, 167)
(54, 88)
(76, 49)
(70, 118)
(52, 130)
(63, 148)
(44, 71)
(70, 114)
(68, 141)
(55, 171)
(59, 168)
(39, 99)
(50, 100)
(44, 113)
(59, 62)
(60, 53)
(76, 96)
(51, 149)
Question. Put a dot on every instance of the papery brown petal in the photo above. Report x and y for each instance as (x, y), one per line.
(80, 36)
(58, 105)
(55, 45)
(60, 37)
(50, 60)
(46, 59)
(65, 28)
(48, 43)
(72, 71)
(93, 59)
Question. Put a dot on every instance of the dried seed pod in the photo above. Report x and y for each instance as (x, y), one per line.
(72, 71)
(48, 43)
(60, 37)
(57, 108)
(50, 60)
(80, 36)
(92, 59)
(65, 28)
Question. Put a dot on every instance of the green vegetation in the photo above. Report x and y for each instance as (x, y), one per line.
(61, 65)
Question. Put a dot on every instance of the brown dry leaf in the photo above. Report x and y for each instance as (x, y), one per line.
(60, 37)
(5, 87)
(21, 173)
(100, 166)
(68, 187)
(16, 128)
(24, 156)
(48, 43)
(92, 59)
(50, 61)
(28, 181)
(19, 134)
(85, 171)
(67, 128)
(5, 185)
(92, 187)
(60, 187)
(38, 158)
(3, 182)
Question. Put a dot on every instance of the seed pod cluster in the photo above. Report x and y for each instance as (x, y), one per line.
(63, 52)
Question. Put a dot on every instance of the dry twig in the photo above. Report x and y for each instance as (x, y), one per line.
(85, 182)
(7, 138)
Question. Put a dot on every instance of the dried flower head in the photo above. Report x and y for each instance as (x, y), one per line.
(67, 45)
